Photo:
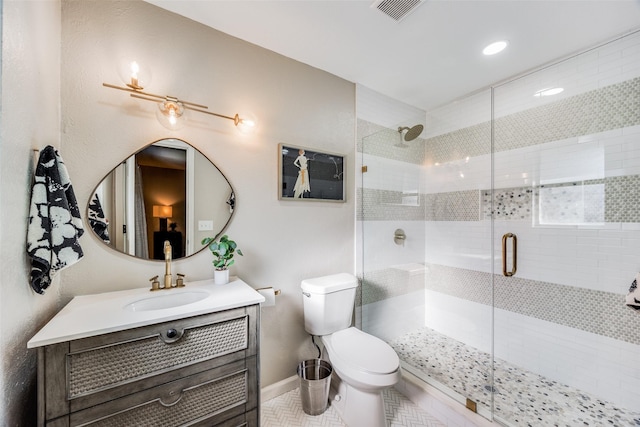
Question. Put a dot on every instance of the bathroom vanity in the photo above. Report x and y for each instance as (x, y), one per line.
(187, 356)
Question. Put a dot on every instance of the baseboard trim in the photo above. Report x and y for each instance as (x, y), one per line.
(279, 388)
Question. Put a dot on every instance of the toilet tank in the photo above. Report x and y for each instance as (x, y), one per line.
(328, 303)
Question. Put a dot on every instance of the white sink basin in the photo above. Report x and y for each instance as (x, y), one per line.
(92, 315)
(167, 300)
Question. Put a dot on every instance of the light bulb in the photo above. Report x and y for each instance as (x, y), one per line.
(134, 74)
(170, 114)
(496, 47)
(135, 69)
(246, 123)
(550, 91)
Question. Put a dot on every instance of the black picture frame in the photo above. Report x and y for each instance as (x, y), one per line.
(308, 174)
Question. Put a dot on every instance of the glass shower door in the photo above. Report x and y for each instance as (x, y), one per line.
(567, 168)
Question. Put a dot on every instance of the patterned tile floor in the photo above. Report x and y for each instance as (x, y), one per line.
(286, 411)
(521, 398)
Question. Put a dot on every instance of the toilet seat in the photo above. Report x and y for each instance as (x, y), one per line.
(354, 350)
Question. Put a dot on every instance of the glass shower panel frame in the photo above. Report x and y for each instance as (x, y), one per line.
(390, 219)
(429, 295)
(458, 251)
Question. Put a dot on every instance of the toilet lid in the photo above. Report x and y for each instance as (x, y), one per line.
(364, 351)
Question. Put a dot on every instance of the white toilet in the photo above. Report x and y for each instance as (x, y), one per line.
(363, 365)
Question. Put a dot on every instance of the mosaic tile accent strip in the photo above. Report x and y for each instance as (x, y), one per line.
(387, 143)
(286, 410)
(389, 282)
(521, 398)
(612, 107)
(472, 141)
(622, 199)
(508, 203)
(378, 205)
(598, 312)
(613, 199)
(453, 206)
(365, 128)
(388, 205)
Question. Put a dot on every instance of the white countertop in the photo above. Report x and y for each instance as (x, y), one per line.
(91, 315)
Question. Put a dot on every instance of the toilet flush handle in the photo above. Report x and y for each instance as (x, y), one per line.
(306, 294)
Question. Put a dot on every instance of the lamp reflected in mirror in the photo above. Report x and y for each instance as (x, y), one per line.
(163, 213)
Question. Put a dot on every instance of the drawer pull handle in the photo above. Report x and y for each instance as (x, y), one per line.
(172, 398)
(171, 335)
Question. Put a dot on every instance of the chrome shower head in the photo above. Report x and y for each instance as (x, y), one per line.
(412, 132)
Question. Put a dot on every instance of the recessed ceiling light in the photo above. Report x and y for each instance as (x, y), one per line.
(495, 47)
(548, 91)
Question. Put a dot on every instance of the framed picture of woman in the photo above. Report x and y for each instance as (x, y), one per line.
(305, 174)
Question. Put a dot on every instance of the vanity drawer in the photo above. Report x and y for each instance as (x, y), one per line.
(220, 396)
(91, 371)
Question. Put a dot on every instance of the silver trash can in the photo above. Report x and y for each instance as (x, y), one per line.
(315, 380)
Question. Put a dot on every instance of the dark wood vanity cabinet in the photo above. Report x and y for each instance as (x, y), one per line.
(196, 371)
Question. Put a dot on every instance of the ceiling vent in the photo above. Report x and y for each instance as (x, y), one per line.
(396, 9)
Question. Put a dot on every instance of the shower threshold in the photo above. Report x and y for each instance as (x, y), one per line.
(521, 398)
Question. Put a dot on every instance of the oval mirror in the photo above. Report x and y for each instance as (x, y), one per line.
(167, 191)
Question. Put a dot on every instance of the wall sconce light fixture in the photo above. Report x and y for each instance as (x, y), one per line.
(171, 109)
(162, 212)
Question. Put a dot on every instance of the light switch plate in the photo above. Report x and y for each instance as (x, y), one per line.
(205, 225)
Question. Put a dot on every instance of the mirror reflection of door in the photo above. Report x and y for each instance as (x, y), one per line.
(161, 179)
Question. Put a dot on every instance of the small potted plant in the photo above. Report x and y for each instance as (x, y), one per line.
(223, 251)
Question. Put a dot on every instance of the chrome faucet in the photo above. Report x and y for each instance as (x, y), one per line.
(168, 278)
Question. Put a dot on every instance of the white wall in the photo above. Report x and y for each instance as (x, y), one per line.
(29, 120)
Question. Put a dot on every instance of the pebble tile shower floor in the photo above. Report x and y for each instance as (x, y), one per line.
(286, 411)
(521, 398)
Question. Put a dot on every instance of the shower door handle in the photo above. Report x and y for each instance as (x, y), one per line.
(504, 254)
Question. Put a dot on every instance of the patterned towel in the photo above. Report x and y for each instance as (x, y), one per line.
(99, 224)
(54, 221)
(633, 298)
